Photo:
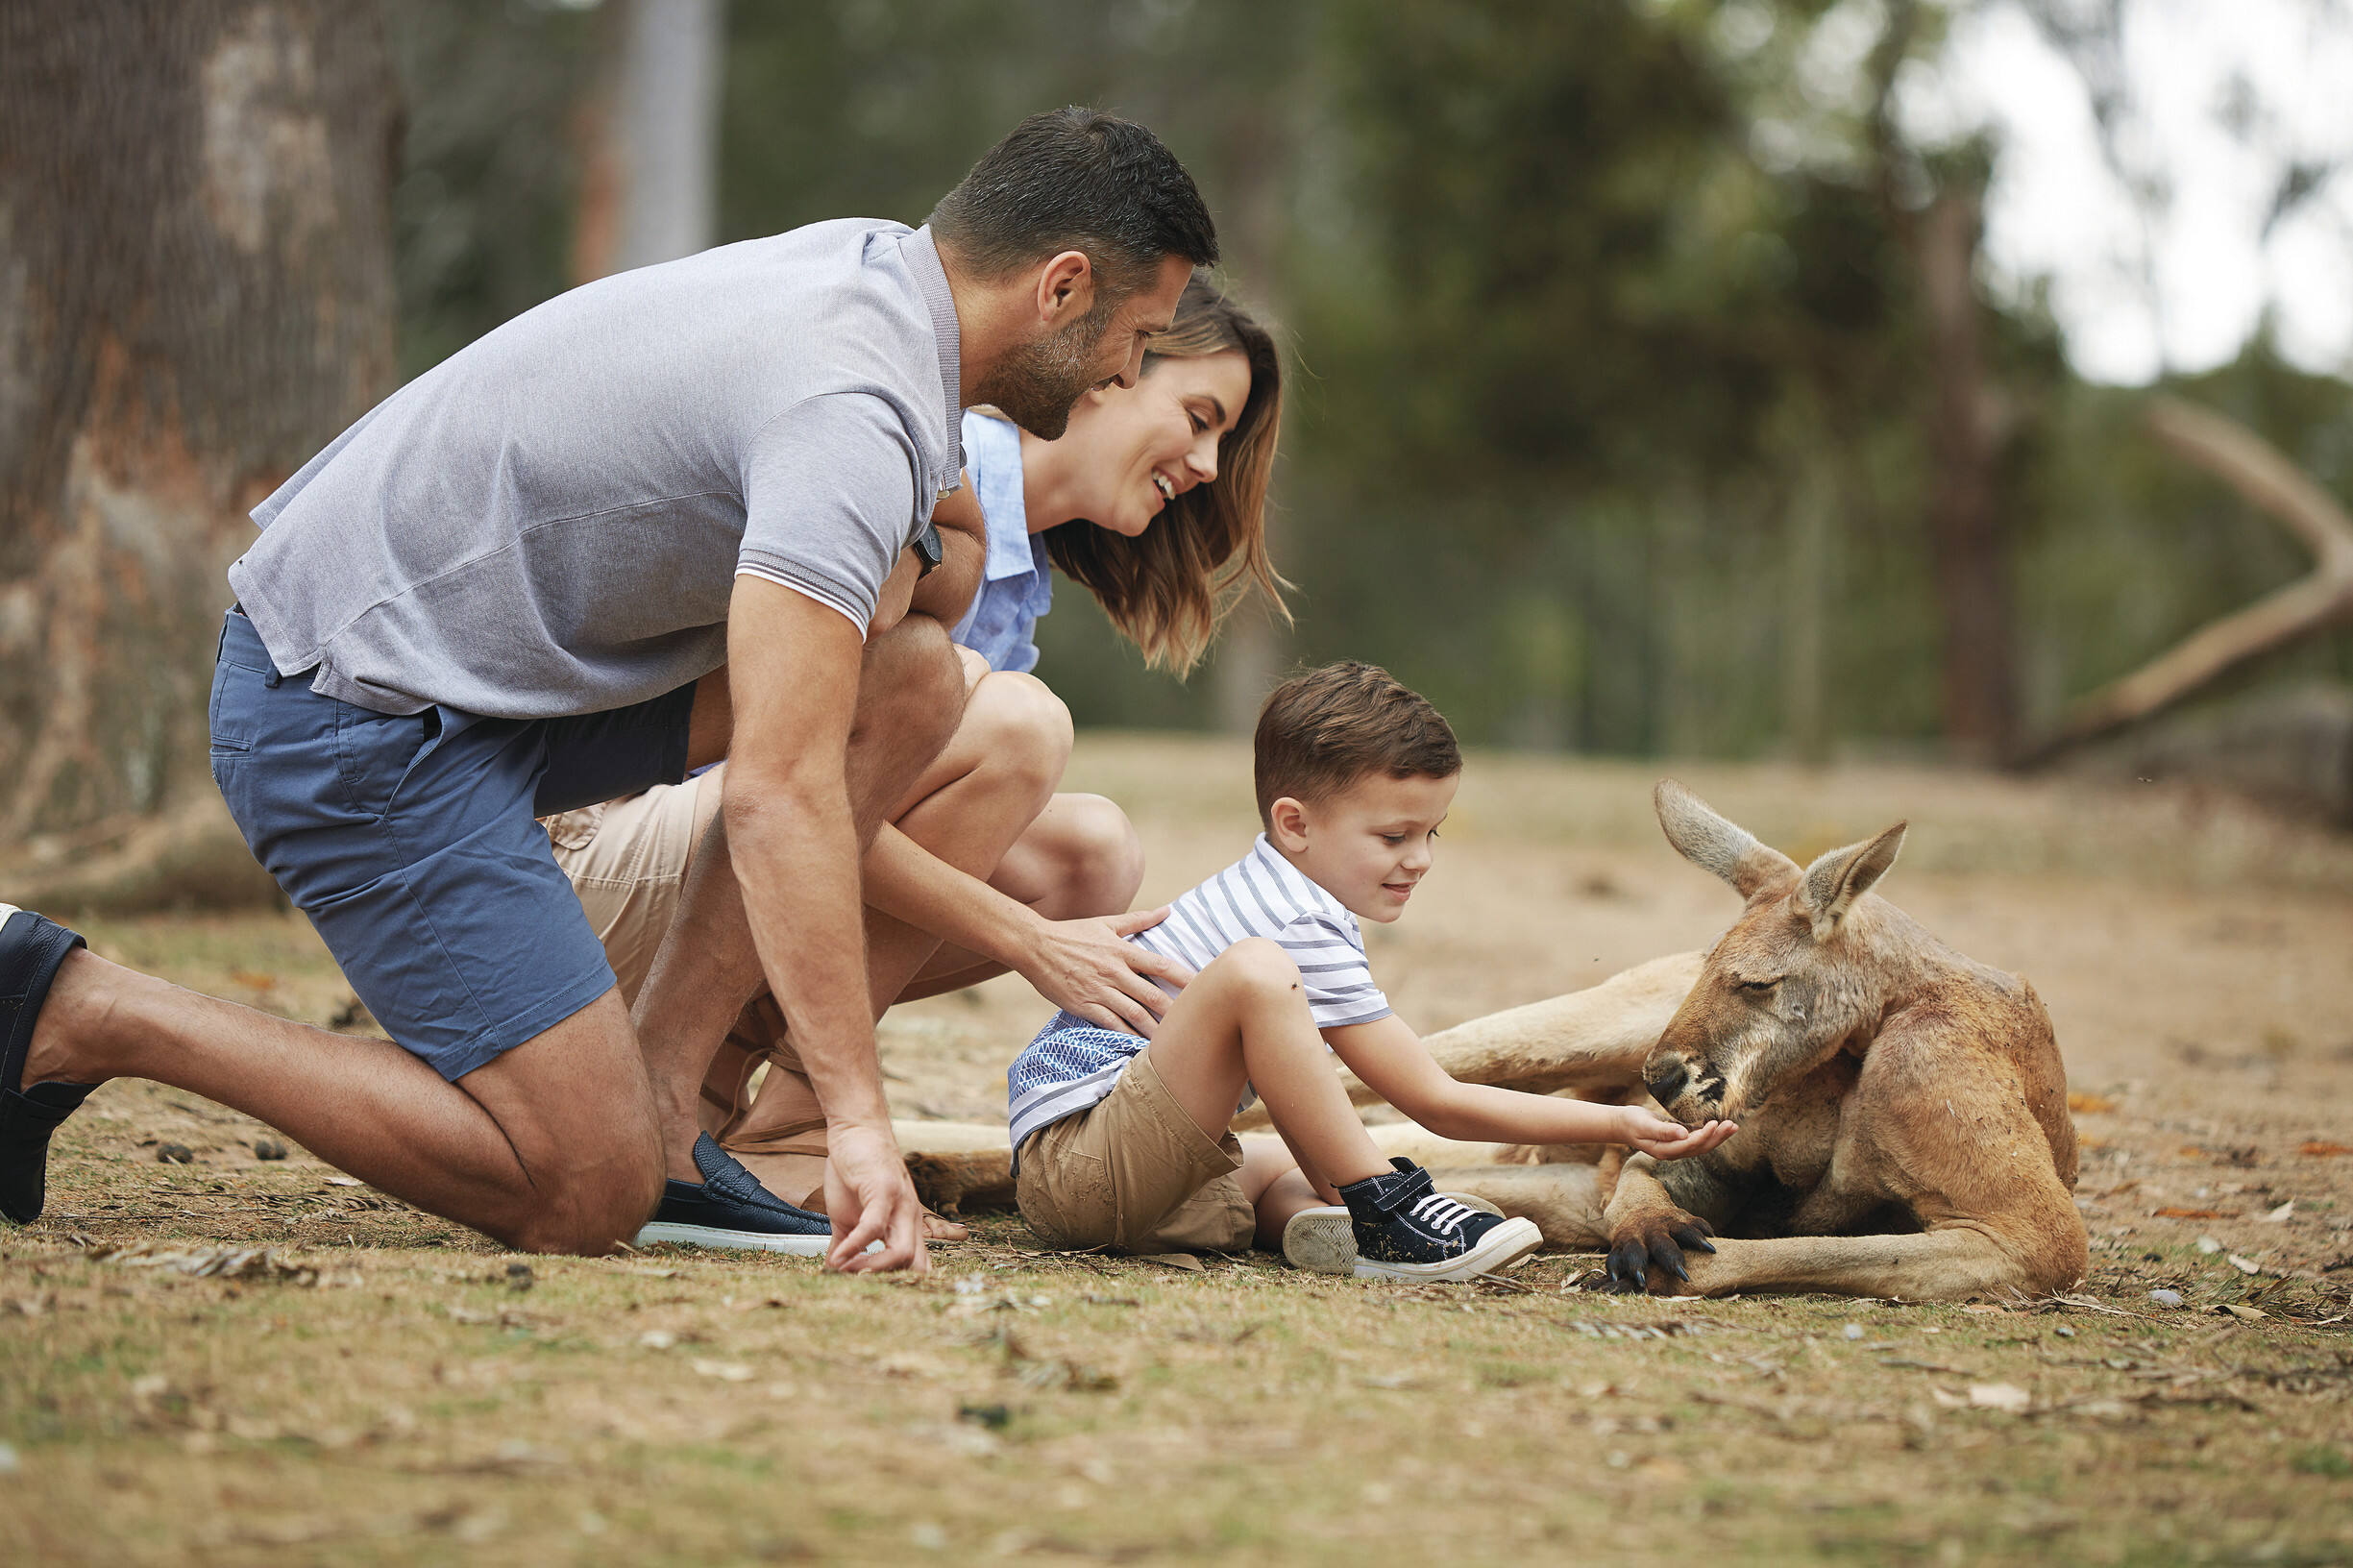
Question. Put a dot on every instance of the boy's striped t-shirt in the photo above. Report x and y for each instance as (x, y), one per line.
(1073, 1064)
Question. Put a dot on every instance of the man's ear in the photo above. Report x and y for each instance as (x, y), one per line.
(1066, 288)
(1287, 824)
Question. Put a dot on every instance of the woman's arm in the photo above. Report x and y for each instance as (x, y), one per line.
(1392, 1061)
(1085, 965)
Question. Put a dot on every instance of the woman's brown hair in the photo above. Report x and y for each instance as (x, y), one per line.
(1169, 587)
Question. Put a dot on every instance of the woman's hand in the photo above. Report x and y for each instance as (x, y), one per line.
(1088, 968)
(1663, 1139)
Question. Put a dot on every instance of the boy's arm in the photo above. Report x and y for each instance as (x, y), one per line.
(1392, 1061)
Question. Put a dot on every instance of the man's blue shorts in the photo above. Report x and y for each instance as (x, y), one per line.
(410, 841)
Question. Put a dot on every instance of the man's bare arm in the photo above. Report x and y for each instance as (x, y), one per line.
(793, 669)
(946, 590)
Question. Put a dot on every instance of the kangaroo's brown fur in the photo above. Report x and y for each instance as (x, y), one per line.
(1902, 1109)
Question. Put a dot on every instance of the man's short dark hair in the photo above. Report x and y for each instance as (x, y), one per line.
(1077, 179)
(1322, 731)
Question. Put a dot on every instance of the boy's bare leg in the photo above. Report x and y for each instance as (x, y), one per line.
(1245, 1019)
(550, 1147)
(1276, 1187)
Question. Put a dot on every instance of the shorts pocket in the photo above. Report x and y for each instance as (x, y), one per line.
(1069, 1198)
(373, 753)
(228, 715)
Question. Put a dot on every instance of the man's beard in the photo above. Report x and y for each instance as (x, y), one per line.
(1036, 385)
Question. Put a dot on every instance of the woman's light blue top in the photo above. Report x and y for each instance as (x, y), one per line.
(1018, 580)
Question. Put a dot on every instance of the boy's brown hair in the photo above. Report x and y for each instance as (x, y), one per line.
(1322, 731)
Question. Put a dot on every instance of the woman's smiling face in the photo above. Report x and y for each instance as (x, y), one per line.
(1141, 448)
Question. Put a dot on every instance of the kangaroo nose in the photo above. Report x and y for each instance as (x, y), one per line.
(1667, 1080)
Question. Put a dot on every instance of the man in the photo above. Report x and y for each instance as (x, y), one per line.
(511, 588)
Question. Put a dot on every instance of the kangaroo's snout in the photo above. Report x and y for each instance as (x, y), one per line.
(1667, 1079)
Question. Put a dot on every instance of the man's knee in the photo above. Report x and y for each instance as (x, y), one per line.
(586, 1212)
(1019, 724)
(1097, 856)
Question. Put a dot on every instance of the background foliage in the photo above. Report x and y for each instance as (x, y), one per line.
(1589, 306)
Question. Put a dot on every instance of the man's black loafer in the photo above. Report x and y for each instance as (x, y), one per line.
(731, 1208)
(31, 950)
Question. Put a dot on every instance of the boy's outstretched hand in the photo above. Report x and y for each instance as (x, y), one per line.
(1663, 1139)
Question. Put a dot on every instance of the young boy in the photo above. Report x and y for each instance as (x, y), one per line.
(1123, 1143)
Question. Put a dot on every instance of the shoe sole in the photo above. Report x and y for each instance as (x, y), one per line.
(711, 1236)
(1324, 1240)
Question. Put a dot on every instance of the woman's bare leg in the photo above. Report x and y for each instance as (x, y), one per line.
(1081, 857)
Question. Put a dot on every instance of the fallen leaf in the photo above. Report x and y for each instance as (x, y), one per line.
(2324, 1151)
(345, 1181)
(2208, 1245)
(2090, 1104)
(2279, 1216)
(2244, 1314)
(175, 1154)
(1949, 1399)
(2189, 1214)
(1184, 1261)
(253, 980)
(2006, 1397)
(2245, 1265)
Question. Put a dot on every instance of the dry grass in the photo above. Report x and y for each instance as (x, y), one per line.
(408, 1396)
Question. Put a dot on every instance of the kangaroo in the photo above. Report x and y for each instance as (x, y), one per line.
(1902, 1109)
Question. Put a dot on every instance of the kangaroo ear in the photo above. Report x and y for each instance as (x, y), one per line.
(1834, 882)
(1714, 843)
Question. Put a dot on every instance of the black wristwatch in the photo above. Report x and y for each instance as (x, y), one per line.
(927, 551)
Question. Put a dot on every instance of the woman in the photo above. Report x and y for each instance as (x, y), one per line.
(1154, 501)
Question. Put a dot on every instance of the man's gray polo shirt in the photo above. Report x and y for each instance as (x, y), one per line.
(551, 521)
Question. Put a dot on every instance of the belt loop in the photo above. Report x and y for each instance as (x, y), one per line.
(273, 680)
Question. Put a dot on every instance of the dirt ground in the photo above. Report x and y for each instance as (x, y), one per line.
(380, 1387)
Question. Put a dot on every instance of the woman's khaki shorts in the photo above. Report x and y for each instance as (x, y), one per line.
(627, 860)
(1134, 1175)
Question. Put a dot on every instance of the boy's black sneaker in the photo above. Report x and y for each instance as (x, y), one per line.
(731, 1208)
(1400, 1227)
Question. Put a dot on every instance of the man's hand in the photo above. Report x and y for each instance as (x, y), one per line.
(1088, 968)
(1661, 1139)
(870, 1198)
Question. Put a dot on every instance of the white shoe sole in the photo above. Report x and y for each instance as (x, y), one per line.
(711, 1236)
(1323, 1242)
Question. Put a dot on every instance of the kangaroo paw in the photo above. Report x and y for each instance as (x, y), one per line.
(1649, 1247)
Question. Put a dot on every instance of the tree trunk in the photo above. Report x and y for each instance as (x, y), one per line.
(195, 295)
(651, 158)
(1968, 544)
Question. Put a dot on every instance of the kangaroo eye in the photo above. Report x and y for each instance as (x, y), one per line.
(1758, 987)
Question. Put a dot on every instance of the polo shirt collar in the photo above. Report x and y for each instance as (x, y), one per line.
(922, 256)
(992, 447)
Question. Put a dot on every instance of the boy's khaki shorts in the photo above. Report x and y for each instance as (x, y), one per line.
(1134, 1175)
(628, 861)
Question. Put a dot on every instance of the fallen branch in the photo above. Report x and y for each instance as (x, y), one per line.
(2322, 598)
